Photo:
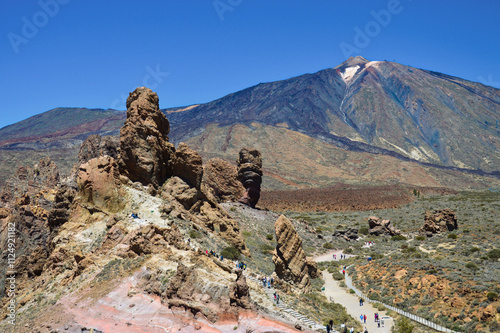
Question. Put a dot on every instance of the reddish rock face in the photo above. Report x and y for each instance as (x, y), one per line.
(250, 175)
(146, 155)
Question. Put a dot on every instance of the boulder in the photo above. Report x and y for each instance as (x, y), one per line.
(99, 184)
(250, 175)
(438, 221)
(146, 155)
(178, 189)
(220, 179)
(289, 257)
(381, 227)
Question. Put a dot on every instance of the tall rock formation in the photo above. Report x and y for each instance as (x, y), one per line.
(250, 175)
(291, 264)
(146, 155)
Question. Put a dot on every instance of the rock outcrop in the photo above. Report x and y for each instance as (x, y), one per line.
(99, 184)
(30, 180)
(239, 294)
(188, 165)
(439, 220)
(381, 227)
(98, 146)
(349, 234)
(291, 264)
(146, 155)
(250, 175)
(62, 206)
(220, 179)
(192, 290)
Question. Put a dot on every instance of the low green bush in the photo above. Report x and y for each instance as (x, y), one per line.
(420, 238)
(492, 296)
(493, 254)
(194, 234)
(363, 231)
(328, 246)
(269, 236)
(472, 266)
(398, 238)
(338, 276)
(452, 236)
(231, 252)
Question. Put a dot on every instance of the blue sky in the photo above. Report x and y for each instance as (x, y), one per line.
(76, 53)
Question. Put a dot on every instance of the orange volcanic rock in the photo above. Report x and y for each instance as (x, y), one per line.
(99, 184)
(291, 264)
(221, 181)
(145, 153)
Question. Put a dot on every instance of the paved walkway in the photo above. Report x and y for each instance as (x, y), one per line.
(339, 295)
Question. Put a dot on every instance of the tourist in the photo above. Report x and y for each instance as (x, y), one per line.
(328, 328)
(361, 317)
(364, 319)
(351, 330)
(365, 331)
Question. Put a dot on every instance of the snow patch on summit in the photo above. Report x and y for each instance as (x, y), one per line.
(348, 73)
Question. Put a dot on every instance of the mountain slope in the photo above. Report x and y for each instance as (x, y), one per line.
(376, 107)
(380, 107)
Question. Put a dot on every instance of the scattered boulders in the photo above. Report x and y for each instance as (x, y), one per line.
(291, 264)
(438, 221)
(250, 175)
(381, 227)
(349, 234)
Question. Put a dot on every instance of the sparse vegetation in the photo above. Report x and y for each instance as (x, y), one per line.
(403, 325)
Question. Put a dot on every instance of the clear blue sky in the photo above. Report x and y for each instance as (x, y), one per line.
(92, 53)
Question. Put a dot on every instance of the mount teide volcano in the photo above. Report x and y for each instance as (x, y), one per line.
(363, 120)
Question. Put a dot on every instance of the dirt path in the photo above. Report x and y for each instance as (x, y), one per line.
(339, 295)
